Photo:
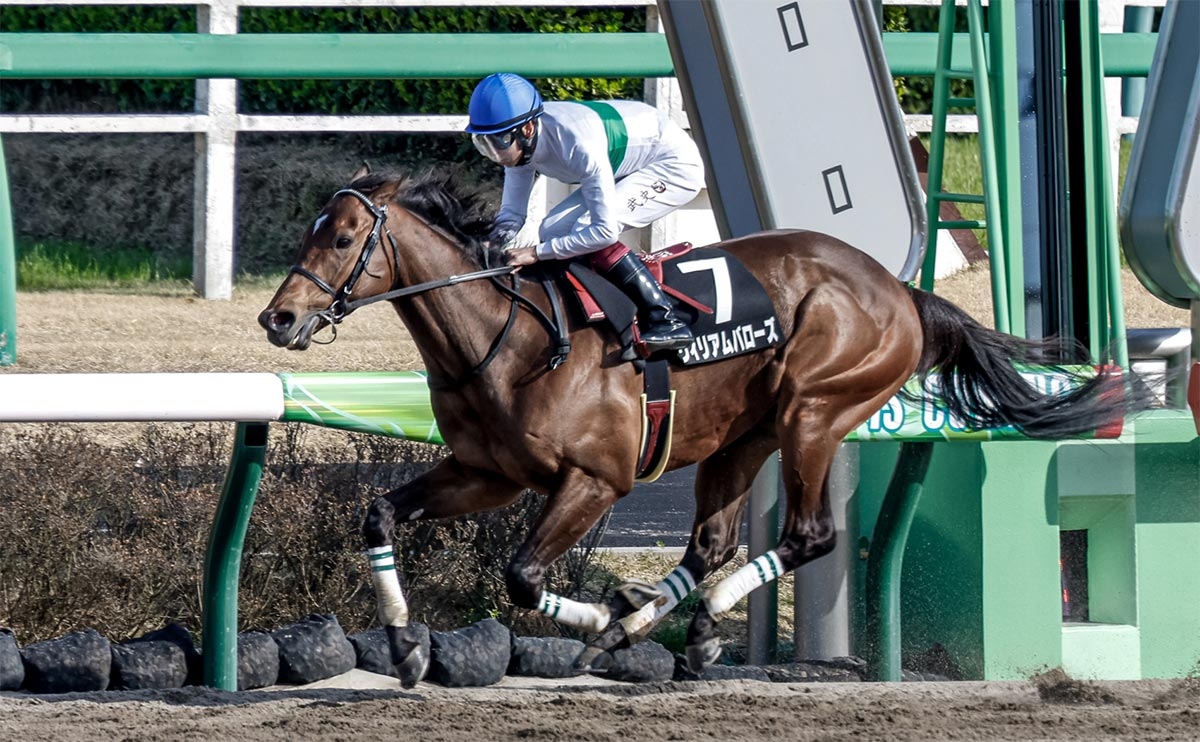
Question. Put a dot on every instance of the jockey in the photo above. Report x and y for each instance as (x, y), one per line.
(633, 166)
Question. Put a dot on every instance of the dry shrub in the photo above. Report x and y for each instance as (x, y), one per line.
(112, 536)
(100, 538)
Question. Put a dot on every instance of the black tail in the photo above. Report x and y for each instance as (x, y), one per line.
(976, 378)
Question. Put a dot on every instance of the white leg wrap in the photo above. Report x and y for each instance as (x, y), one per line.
(389, 598)
(591, 617)
(674, 588)
(726, 593)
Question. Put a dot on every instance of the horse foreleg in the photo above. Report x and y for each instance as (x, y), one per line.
(447, 490)
(569, 513)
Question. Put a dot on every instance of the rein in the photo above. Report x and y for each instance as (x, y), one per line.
(342, 305)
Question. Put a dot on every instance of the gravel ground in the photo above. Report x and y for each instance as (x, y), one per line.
(1046, 708)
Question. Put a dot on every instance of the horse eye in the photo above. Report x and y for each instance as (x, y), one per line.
(343, 242)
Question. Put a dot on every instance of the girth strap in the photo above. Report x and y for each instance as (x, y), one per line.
(555, 324)
(562, 345)
(658, 407)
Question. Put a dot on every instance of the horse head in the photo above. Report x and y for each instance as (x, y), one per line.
(363, 245)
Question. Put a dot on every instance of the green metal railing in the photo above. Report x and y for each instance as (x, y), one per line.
(331, 56)
(382, 56)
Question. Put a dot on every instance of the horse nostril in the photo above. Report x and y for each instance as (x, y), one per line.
(279, 321)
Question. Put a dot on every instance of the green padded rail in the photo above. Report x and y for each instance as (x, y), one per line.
(391, 403)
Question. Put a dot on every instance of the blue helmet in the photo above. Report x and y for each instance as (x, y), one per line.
(502, 101)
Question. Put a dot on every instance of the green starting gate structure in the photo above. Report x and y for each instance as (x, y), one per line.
(1028, 555)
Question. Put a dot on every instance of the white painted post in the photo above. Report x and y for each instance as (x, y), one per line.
(662, 93)
(824, 589)
(214, 213)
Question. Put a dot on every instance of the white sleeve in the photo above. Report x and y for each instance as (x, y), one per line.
(598, 188)
(514, 203)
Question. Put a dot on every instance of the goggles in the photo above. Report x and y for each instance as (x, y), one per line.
(493, 146)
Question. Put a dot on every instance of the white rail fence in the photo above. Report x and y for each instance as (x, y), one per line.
(216, 122)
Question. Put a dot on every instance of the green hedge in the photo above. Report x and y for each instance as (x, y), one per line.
(306, 96)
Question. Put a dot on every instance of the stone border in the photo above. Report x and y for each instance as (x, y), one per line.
(316, 648)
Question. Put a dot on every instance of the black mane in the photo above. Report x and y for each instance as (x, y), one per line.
(461, 210)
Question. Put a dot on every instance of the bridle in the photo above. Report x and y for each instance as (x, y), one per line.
(339, 307)
(342, 305)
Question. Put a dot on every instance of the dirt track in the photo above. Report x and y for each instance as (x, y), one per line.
(65, 332)
(726, 710)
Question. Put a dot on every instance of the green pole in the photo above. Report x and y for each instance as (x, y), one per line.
(937, 140)
(223, 561)
(995, 96)
(885, 560)
(1104, 282)
(1119, 340)
(8, 274)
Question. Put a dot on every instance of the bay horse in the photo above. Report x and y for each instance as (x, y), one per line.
(852, 335)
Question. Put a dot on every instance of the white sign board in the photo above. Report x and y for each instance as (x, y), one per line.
(810, 102)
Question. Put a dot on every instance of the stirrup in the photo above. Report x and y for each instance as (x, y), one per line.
(667, 341)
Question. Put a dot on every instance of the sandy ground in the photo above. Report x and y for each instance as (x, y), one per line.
(77, 332)
(585, 709)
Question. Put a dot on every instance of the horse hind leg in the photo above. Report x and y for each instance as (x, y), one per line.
(810, 435)
(808, 533)
(723, 483)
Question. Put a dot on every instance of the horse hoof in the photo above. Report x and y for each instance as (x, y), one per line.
(413, 668)
(613, 637)
(701, 656)
(592, 660)
(639, 594)
(410, 653)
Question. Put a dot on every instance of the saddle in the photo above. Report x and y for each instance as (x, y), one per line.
(725, 305)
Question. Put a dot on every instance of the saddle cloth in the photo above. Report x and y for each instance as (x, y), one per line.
(725, 305)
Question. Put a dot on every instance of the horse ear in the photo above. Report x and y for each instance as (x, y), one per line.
(363, 169)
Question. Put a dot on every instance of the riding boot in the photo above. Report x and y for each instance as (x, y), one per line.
(664, 330)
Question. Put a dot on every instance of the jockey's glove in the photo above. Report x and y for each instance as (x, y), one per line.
(501, 235)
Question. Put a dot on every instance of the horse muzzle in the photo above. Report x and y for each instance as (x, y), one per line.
(285, 330)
